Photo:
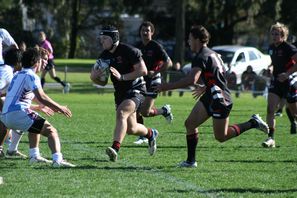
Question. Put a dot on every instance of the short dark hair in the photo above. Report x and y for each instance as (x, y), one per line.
(201, 33)
(13, 56)
(110, 31)
(146, 24)
(30, 57)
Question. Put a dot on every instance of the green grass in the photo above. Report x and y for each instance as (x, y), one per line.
(237, 168)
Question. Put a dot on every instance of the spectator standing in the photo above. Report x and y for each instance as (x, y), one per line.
(248, 78)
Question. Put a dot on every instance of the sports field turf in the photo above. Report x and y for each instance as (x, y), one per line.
(237, 168)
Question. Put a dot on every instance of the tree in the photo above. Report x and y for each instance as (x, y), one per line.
(180, 31)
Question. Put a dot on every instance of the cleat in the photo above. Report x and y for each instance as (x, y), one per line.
(269, 143)
(152, 142)
(112, 154)
(39, 159)
(262, 126)
(16, 154)
(63, 163)
(186, 164)
(141, 140)
(167, 113)
(2, 154)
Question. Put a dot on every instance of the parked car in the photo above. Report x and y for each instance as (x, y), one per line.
(238, 58)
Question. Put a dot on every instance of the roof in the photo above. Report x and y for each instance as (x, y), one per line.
(231, 48)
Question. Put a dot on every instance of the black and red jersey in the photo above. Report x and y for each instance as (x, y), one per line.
(213, 75)
(123, 59)
(153, 53)
(212, 67)
(281, 57)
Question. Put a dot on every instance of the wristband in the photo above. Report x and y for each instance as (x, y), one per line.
(122, 78)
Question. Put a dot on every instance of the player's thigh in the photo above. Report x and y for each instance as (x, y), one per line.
(147, 105)
(48, 129)
(52, 72)
(126, 108)
(273, 102)
(197, 116)
(132, 122)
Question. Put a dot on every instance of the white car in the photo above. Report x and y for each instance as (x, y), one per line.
(238, 58)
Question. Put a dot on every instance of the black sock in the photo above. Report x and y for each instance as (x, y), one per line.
(271, 133)
(42, 82)
(149, 134)
(290, 116)
(59, 81)
(192, 141)
(116, 146)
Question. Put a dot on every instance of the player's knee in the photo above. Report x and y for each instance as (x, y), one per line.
(121, 114)
(270, 110)
(52, 132)
(145, 113)
(189, 124)
(220, 138)
(131, 130)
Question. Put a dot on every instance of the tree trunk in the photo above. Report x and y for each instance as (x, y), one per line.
(74, 28)
(179, 50)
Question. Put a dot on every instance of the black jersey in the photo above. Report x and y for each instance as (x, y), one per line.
(281, 57)
(212, 68)
(123, 59)
(217, 96)
(153, 53)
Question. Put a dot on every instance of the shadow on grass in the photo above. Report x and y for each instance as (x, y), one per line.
(238, 190)
(256, 161)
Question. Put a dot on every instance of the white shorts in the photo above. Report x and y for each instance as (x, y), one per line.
(22, 120)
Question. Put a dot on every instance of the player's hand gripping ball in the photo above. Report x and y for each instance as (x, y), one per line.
(100, 72)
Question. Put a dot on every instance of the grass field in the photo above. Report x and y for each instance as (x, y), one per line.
(237, 168)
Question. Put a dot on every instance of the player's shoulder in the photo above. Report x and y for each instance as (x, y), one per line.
(155, 43)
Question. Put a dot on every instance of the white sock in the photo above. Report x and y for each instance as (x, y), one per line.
(15, 140)
(34, 152)
(57, 157)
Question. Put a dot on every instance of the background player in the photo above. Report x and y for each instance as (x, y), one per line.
(156, 61)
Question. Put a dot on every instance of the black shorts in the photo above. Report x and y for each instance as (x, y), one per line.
(150, 83)
(135, 95)
(50, 65)
(38, 123)
(217, 108)
(284, 90)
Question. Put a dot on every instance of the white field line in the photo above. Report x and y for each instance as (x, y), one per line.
(186, 185)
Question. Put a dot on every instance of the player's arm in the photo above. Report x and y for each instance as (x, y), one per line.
(284, 76)
(42, 108)
(47, 101)
(139, 70)
(191, 79)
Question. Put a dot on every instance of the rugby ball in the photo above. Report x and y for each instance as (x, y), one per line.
(100, 71)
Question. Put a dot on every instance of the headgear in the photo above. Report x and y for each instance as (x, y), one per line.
(112, 32)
